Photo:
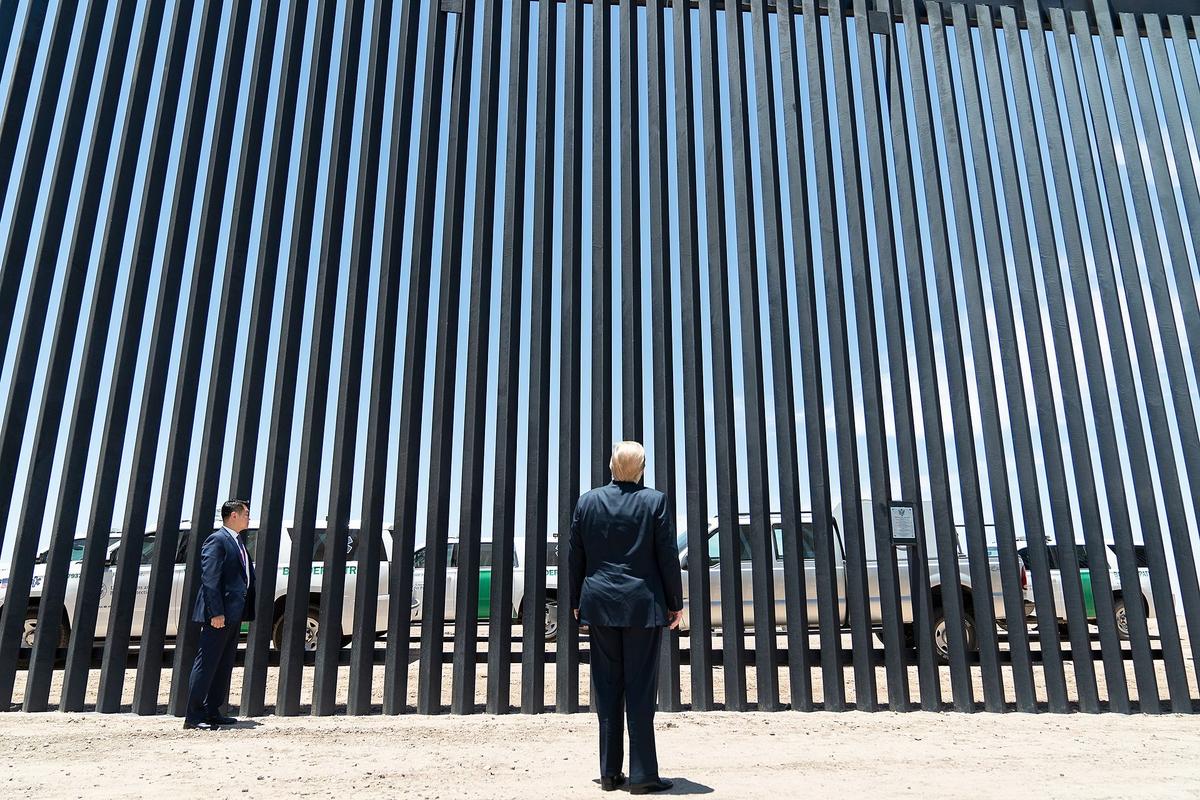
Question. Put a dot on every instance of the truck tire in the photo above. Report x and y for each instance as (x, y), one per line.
(312, 630)
(29, 630)
(941, 644)
(551, 619)
(1122, 618)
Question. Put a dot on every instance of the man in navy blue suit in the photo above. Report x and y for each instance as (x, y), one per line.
(225, 600)
(626, 586)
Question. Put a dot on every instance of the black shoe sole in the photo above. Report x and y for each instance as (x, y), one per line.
(612, 784)
(649, 789)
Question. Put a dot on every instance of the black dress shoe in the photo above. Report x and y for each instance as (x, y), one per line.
(222, 721)
(646, 788)
(203, 725)
(612, 783)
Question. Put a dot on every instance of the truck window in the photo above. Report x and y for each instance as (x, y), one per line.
(807, 540)
(1051, 557)
(250, 537)
(181, 547)
(350, 537)
(485, 555)
(147, 552)
(147, 549)
(714, 545)
(1057, 563)
(76, 552)
(419, 557)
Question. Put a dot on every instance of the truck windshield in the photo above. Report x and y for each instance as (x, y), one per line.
(782, 542)
(76, 552)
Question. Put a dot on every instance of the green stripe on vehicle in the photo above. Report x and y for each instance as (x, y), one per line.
(1089, 599)
(485, 594)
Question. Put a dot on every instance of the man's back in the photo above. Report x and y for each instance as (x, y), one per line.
(626, 584)
(624, 565)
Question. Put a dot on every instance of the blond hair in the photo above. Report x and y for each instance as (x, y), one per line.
(628, 461)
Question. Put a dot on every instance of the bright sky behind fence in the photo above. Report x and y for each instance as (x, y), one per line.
(1180, 160)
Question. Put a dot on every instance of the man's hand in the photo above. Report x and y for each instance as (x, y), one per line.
(217, 622)
(576, 613)
(674, 619)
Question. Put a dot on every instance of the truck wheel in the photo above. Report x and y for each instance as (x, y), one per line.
(29, 630)
(1122, 618)
(551, 620)
(941, 639)
(312, 630)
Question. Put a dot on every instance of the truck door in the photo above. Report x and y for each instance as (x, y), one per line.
(485, 580)
(714, 575)
(181, 549)
(1085, 577)
(351, 589)
(839, 567)
(383, 594)
(782, 541)
(104, 605)
(451, 580)
(1056, 580)
(778, 544)
(250, 540)
(383, 588)
(143, 586)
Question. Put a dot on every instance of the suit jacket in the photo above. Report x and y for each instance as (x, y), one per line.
(624, 562)
(224, 590)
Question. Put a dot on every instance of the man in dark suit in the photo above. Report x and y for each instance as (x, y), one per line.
(225, 600)
(626, 586)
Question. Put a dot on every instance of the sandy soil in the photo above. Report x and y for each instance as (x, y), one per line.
(723, 754)
(550, 755)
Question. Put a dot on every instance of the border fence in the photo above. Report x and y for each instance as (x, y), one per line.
(403, 271)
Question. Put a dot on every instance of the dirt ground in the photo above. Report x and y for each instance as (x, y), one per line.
(724, 754)
(738, 755)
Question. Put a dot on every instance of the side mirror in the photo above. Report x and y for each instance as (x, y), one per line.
(683, 560)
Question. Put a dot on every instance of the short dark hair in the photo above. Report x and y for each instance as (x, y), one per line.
(229, 507)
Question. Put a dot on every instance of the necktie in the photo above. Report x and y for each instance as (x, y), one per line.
(245, 562)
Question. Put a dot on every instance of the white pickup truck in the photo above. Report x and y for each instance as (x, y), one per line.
(312, 629)
(1146, 592)
(781, 539)
(484, 612)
